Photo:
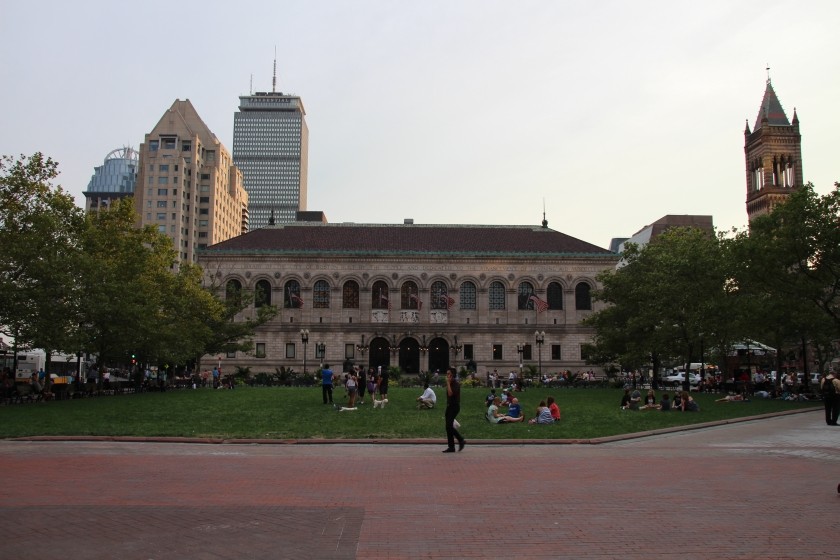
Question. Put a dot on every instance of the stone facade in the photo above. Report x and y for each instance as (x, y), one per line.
(773, 152)
(410, 300)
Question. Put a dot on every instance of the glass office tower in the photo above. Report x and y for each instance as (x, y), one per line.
(112, 180)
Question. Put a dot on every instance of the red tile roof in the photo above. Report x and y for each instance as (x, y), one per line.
(378, 239)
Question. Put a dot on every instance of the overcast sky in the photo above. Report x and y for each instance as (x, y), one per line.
(612, 114)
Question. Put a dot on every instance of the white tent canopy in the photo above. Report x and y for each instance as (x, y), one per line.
(757, 348)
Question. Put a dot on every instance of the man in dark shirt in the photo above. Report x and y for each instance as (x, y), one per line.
(453, 407)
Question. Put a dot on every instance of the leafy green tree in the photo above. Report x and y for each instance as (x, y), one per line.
(196, 322)
(39, 231)
(789, 271)
(672, 296)
(125, 279)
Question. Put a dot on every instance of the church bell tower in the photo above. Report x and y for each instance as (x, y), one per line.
(773, 153)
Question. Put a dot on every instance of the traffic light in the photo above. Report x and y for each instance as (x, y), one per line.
(133, 359)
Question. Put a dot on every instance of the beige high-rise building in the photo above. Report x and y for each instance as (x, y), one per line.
(187, 184)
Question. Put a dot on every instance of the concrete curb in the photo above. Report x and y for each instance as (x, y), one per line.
(417, 441)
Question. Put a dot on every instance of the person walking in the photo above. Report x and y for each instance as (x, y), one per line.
(327, 384)
(453, 407)
(830, 389)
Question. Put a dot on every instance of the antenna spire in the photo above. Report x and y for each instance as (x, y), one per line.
(768, 72)
(274, 77)
(544, 222)
(251, 86)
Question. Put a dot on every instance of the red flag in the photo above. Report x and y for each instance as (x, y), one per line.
(446, 300)
(539, 304)
(297, 299)
(413, 297)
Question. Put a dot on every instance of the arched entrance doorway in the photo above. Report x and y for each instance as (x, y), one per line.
(379, 353)
(409, 355)
(438, 355)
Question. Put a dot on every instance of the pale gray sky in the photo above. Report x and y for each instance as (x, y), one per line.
(445, 111)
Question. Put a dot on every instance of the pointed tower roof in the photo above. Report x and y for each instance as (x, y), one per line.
(771, 109)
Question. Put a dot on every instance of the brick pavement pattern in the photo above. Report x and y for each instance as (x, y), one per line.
(760, 490)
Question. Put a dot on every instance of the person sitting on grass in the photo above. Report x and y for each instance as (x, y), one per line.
(515, 411)
(687, 403)
(428, 399)
(677, 401)
(488, 400)
(665, 403)
(553, 408)
(543, 415)
(496, 417)
(650, 401)
(625, 399)
(635, 399)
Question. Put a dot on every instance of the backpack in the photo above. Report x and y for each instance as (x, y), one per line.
(828, 388)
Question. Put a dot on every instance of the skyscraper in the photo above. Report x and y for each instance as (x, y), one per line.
(112, 180)
(271, 147)
(773, 153)
(187, 185)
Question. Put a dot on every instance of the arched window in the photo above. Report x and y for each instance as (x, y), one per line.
(262, 293)
(410, 296)
(555, 295)
(467, 295)
(526, 290)
(440, 296)
(583, 300)
(233, 290)
(350, 295)
(497, 295)
(321, 295)
(291, 295)
(379, 296)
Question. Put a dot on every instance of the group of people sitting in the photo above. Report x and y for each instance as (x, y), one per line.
(682, 401)
(547, 412)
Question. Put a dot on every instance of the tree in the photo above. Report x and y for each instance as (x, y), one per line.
(789, 269)
(228, 328)
(125, 279)
(672, 296)
(39, 231)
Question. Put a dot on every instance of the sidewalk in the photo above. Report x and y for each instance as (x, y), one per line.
(759, 489)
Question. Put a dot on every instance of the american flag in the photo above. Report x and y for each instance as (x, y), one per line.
(384, 298)
(448, 301)
(415, 298)
(539, 304)
(296, 299)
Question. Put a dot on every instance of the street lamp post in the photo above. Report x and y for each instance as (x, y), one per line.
(320, 352)
(394, 348)
(304, 337)
(539, 336)
(520, 349)
(361, 348)
(456, 349)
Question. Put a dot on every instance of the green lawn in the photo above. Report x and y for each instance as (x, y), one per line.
(284, 413)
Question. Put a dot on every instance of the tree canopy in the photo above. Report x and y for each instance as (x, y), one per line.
(779, 281)
(98, 283)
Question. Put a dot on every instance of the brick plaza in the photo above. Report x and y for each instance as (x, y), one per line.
(758, 489)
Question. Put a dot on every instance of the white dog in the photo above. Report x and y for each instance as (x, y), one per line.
(379, 404)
